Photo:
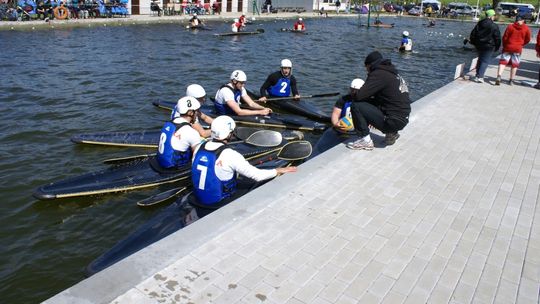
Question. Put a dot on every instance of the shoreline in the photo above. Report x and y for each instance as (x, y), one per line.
(152, 19)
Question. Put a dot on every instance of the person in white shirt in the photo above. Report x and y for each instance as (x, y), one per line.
(406, 43)
(230, 95)
(215, 166)
(178, 139)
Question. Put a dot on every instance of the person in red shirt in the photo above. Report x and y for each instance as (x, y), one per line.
(236, 26)
(515, 37)
(242, 20)
(538, 55)
(299, 25)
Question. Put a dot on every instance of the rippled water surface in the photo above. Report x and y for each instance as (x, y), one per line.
(57, 83)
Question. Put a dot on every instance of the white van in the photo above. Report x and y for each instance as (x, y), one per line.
(460, 8)
(507, 8)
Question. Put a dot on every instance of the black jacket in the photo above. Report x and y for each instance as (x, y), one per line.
(386, 89)
(486, 35)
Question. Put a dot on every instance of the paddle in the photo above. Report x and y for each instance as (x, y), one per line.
(260, 30)
(260, 138)
(296, 150)
(303, 96)
(161, 197)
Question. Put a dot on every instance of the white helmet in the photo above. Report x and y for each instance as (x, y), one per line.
(405, 33)
(222, 126)
(299, 19)
(286, 63)
(194, 14)
(357, 83)
(187, 103)
(238, 75)
(195, 90)
(235, 20)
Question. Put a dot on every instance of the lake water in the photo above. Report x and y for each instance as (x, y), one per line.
(57, 83)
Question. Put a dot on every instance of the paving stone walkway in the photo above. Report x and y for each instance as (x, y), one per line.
(449, 214)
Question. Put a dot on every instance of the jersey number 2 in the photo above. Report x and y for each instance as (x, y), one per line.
(283, 88)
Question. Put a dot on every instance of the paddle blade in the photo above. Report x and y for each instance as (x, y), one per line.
(265, 138)
(161, 197)
(260, 30)
(295, 150)
(244, 132)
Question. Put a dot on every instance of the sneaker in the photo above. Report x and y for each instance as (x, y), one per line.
(510, 82)
(537, 86)
(479, 80)
(391, 138)
(498, 80)
(360, 144)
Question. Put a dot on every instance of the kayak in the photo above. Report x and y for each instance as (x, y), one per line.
(199, 27)
(141, 139)
(384, 25)
(297, 107)
(174, 217)
(257, 31)
(294, 31)
(274, 120)
(137, 174)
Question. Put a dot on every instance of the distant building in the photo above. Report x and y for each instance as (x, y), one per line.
(142, 7)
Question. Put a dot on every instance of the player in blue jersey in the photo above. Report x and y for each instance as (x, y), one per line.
(280, 83)
(230, 96)
(406, 43)
(215, 166)
(178, 138)
(342, 107)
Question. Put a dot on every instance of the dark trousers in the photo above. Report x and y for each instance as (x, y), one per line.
(484, 58)
(365, 114)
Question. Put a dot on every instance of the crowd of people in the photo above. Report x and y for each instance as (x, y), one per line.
(487, 39)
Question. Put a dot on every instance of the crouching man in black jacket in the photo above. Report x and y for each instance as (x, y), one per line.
(382, 102)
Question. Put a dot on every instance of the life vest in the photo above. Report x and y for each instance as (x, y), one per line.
(346, 110)
(223, 108)
(282, 88)
(168, 157)
(406, 44)
(207, 187)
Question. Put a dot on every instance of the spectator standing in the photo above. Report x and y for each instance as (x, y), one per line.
(215, 7)
(338, 5)
(486, 38)
(268, 5)
(515, 37)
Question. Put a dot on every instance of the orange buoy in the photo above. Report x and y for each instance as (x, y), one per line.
(60, 12)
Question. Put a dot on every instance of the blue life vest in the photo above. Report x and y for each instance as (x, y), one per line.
(167, 157)
(346, 110)
(207, 187)
(223, 108)
(282, 88)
